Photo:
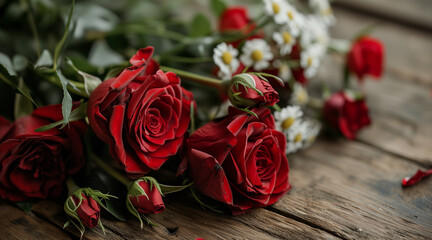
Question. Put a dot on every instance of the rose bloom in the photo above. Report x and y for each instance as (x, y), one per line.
(88, 211)
(239, 160)
(150, 204)
(143, 114)
(346, 114)
(237, 20)
(249, 97)
(36, 164)
(366, 57)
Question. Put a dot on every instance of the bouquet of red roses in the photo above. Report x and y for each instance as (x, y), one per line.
(213, 111)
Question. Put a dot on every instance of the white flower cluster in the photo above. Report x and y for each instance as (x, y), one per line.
(300, 133)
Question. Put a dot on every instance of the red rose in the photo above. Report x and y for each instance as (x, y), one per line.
(88, 211)
(346, 114)
(366, 57)
(242, 93)
(239, 160)
(236, 20)
(152, 203)
(142, 115)
(36, 164)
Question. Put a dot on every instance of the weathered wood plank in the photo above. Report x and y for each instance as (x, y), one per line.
(413, 13)
(16, 224)
(183, 220)
(355, 191)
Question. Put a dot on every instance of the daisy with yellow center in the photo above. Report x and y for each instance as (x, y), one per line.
(256, 53)
(285, 39)
(296, 137)
(299, 95)
(310, 60)
(274, 8)
(312, 130)
(225, 57)
(323, 9)
(290, 17)
(287, 117)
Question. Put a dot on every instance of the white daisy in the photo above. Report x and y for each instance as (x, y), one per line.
(295, 136)
(312, 130)
(292, 18)
(284, 70)
(225, 57)
(314, 31)
(274, 7)
(299, 95)
(287, 117)
(310, 60)
(323, 9)
(256, 53)
(285, 39)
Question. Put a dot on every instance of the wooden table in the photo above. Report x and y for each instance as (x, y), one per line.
(341, 189)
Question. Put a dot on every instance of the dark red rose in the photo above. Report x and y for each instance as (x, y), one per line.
(141, 114)
(366, 57)
(236, 20)
(346, 114)
(88, 211)
(239, 160)
(241, 94)
(150, 204)
(36, 164)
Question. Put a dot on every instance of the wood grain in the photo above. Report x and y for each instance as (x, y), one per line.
(16, 224)
(355, 191)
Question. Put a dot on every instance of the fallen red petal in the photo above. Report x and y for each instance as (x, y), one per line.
(408, 181)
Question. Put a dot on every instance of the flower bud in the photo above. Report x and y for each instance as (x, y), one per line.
(251, 90)
(88, 211)
(145, 197)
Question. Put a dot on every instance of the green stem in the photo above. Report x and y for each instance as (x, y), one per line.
(31, 21)
(195, 78)
(346, 77)
(111, 171)
(52, 78)
(71, 186)
(187, 59)
(139, 29)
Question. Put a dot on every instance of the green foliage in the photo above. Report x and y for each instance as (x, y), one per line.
(200, 26)
(218, 7)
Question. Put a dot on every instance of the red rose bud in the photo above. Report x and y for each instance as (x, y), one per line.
(36, 164)
(248, 90)
(143, 114)
(346, 114)
(236, 20)
(366, 57)
(239, 160)
(88, 211)
(150, 202)
(145, 197)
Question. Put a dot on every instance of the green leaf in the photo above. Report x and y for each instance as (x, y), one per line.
(77, 114)
(115, 210)
(365, 31)
(45, 60)
(90, 82)
(66, 224)
(6, 62)
(59, 47)
(200, 26)
(23, 105)
(67, 99)
(25, 206)
(101, 55)
(19, 62)
(89, 16)
(167, 189)
(218, 7)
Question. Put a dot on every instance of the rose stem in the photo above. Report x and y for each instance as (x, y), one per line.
(195, 78)
(111, 171)
(71, 185)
